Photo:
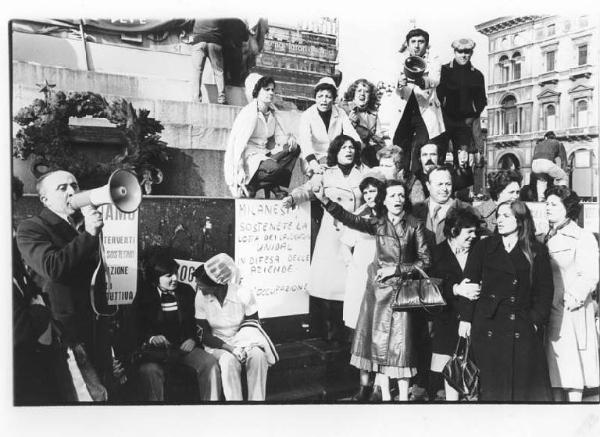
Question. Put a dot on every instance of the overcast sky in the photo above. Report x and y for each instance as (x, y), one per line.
(369, 47)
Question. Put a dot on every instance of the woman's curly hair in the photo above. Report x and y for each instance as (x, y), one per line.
(372, 102)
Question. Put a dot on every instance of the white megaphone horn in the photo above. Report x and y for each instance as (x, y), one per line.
(122, 190)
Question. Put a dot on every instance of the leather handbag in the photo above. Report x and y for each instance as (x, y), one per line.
(424, 292)
(461, 373)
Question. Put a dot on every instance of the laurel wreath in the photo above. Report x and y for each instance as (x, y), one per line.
(45, 136)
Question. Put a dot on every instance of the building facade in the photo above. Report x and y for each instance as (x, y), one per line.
(298, 56)
(543, 76)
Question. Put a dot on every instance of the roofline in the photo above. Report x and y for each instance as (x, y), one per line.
(501, 23)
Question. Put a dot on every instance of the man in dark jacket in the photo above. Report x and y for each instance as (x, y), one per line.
(462, 95)
(41, 375)
(544, 158)
(168, 328)
(65, 258)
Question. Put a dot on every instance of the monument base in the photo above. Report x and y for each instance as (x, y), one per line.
(235, 95)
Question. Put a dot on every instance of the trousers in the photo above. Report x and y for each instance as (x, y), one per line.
(206, 371)
(214, 52)
(548, 167)
(231, 374)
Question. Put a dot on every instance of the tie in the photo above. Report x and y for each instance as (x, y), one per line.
(435, 219)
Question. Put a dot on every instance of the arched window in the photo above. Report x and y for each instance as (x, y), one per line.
(581, 113)
(504, 69)
(509, 116)
(516, 63)
(549, 117)
(509, 162)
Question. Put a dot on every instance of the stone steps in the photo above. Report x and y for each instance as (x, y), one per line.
(188, 124)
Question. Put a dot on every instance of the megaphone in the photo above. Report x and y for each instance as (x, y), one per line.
(414, 67)
(122, 190)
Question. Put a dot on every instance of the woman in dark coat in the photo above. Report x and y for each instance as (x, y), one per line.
(507, 320)
(383, 338)
(461, 229)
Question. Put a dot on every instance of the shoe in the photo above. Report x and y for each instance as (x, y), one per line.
(417, 394)
(440, 396)
(222, 100)
(376, 395)
(363, 394)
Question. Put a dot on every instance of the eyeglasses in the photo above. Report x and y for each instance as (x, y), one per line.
(467, 51)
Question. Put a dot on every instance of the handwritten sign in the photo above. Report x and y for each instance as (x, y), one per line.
(186, 271)
(272, 251)
(590, 217)
(120, 240)
(538, 212)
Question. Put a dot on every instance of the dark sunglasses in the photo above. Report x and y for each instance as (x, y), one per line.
(464, 51)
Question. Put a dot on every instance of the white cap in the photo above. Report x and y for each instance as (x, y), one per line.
(328, 80)
(220, 268)
(250, 83)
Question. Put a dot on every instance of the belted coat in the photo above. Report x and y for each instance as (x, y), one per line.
(507, 320)
(383, 339)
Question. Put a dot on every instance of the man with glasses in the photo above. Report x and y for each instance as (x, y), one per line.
(462, 95)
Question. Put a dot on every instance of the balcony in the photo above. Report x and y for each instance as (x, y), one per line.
(581, 71)
(550, 77)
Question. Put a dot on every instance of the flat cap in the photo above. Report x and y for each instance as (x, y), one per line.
(463, 44)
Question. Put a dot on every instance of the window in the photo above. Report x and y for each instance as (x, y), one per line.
(509, 116)
(517, 40)
(504, 69)
(550, 30)
(582, 54)
(516, 61)
(581, 113)
(549, 117)
(550, 58)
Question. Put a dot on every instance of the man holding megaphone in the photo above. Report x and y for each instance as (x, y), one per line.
(421, 120)
(61, 246)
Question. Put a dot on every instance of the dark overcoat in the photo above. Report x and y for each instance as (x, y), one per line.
(382, 336)
(64, 259)
(445, 322)
(507, 320)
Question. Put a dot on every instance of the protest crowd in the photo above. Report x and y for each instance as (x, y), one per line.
(396, 220)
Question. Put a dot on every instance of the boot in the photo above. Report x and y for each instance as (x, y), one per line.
(363, 394)
(376, 395)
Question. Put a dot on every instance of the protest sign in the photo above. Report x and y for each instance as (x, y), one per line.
(120, 240)
(272, 251)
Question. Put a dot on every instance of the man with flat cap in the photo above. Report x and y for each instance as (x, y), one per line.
(461, 93)
(421, 118)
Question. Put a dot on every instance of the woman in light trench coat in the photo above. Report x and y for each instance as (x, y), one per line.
(572, 339)
(341, 179)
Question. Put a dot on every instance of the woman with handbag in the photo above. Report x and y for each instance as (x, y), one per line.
(507, 319)
(572, 339)
(461, 230)
(359, 259)
(259, 153)
(383, 340)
